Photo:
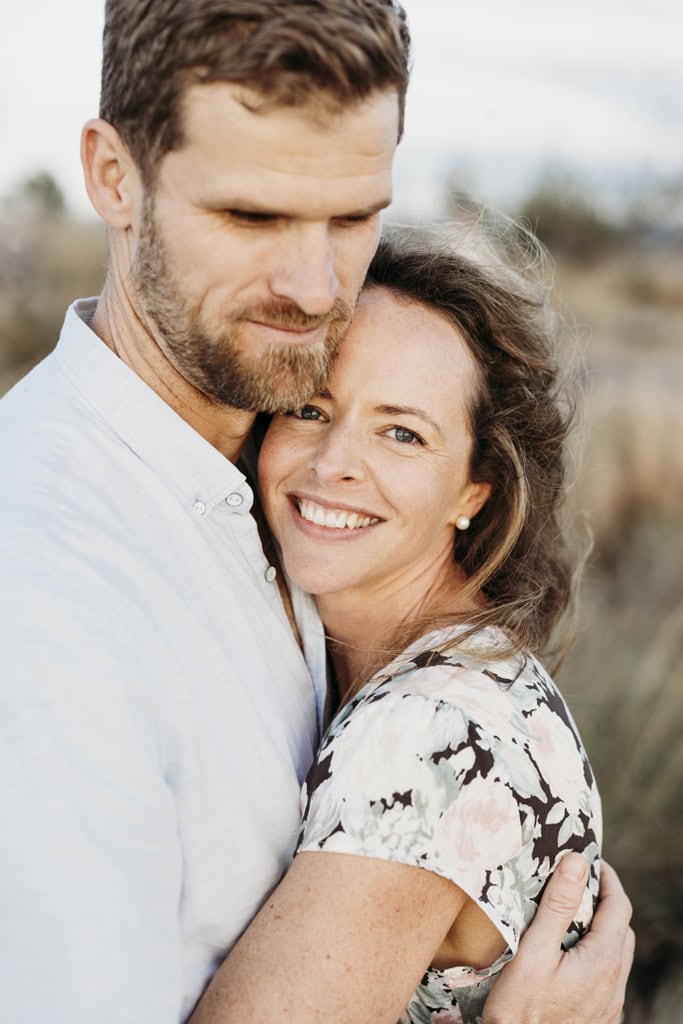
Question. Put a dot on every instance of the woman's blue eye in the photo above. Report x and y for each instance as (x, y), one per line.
(306, 412)
(405, 436)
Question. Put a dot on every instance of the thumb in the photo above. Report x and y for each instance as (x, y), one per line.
(558, 907)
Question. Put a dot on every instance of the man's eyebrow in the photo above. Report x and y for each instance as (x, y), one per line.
(255, 206)
(368, 211)
(250, 205)
(410, 410)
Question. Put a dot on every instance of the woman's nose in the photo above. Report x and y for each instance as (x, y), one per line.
(338, 456)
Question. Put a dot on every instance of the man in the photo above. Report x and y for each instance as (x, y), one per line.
(157, 715)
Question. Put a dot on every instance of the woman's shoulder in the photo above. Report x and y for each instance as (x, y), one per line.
(507, 709)
(476, 675)
(486, 651)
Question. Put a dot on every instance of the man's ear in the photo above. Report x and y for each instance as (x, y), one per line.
(112, 178)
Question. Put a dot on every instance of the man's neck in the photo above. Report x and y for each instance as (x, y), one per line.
(116, 322)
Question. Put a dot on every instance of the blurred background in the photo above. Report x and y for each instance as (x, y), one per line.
(571, 117)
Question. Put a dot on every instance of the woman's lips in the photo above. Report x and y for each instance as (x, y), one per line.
(333, 518)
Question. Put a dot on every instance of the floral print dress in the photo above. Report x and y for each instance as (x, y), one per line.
(468, 766)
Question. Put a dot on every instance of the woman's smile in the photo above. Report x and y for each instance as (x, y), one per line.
(337, 519)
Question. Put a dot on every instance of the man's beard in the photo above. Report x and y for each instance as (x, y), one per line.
(281, 378)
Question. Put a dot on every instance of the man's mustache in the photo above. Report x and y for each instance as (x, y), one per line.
(289, 316)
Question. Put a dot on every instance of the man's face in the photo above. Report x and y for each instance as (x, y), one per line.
(253, 246)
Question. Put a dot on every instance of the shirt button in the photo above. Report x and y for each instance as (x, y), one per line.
(234, 500)
(271, 573)
(199, 507)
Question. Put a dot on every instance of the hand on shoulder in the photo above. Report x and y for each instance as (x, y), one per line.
(584, 985)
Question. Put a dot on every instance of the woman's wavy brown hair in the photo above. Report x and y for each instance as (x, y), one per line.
(516, 552)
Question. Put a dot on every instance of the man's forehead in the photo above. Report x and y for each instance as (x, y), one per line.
(232, 153)
(256, 111)
(317, 107)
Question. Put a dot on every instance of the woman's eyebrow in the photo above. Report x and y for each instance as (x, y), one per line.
(410, 410)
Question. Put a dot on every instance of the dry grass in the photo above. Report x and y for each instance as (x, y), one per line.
(631, 466)
(624, 679)
(624, 682)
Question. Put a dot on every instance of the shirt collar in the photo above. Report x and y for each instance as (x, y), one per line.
(188, 464)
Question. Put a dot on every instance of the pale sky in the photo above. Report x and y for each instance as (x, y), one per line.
(500, 90)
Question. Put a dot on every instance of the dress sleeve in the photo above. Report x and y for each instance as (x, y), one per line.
(412, 779)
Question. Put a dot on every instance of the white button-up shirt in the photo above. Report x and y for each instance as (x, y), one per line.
(156, 716)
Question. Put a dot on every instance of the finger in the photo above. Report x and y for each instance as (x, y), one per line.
(614, 910)
(609, 879)
(628, 954)
(610, 943)
(610, 883)
(614, 977)
(558, 908)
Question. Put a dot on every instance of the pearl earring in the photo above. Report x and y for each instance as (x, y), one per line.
(463, 522)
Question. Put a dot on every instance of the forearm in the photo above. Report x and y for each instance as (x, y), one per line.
(343, 938)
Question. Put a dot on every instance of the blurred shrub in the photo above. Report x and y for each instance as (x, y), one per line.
(667, 1002)
(656, 212)
(42, 193)
(654, 276)
(568, 221)
(45, 263)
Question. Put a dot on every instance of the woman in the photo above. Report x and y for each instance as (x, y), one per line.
(418, 499)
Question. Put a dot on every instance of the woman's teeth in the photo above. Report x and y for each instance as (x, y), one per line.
(335, 520)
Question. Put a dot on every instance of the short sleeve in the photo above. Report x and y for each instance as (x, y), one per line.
(411, 779)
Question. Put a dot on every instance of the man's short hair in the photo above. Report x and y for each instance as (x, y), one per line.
(290, 52)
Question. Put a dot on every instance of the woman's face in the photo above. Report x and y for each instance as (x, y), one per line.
(362, 486)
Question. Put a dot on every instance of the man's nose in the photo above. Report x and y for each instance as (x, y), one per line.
(306, 271)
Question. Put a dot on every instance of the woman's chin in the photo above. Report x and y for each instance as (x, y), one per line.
(316, 580)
